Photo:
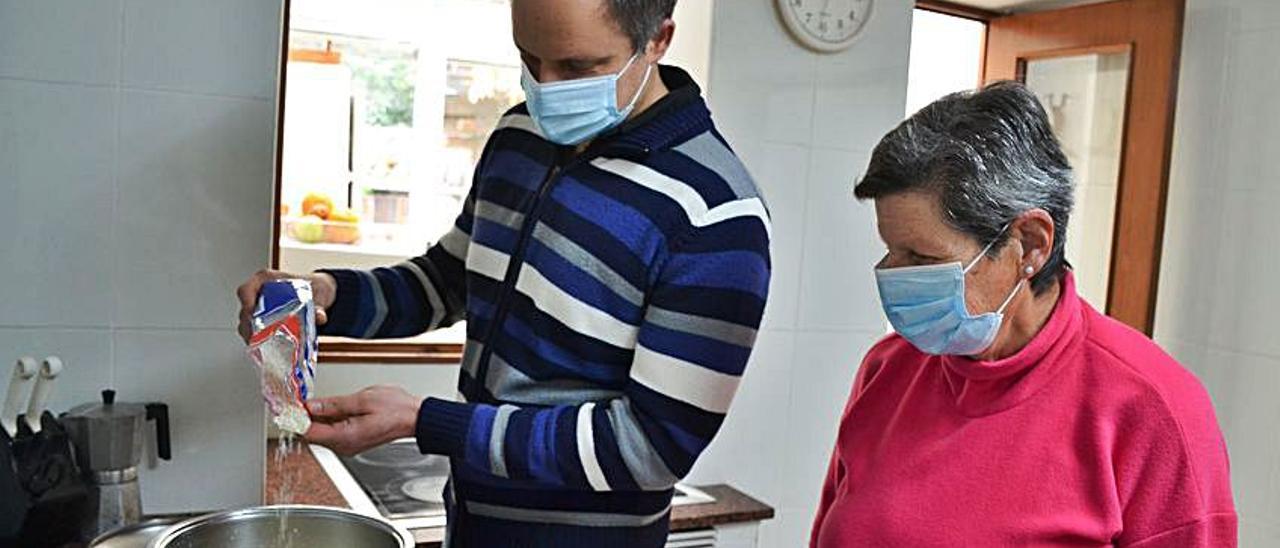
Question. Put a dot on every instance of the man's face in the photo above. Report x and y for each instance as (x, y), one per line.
(572, 39)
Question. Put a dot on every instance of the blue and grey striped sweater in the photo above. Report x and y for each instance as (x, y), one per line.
(612, 298)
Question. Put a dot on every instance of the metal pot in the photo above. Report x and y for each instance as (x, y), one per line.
(285, 525)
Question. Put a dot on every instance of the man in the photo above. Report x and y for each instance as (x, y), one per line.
(612, 265)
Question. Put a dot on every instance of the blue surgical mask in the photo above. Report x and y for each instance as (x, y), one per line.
(571, 112)
(926, 305)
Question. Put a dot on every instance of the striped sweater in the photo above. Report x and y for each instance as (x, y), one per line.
(612, 299)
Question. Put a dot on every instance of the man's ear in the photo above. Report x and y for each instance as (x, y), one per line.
(1034, 230)
(661, 42)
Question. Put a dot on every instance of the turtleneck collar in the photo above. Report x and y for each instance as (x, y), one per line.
(982, 387)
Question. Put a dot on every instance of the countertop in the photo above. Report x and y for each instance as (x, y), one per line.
(310, 485)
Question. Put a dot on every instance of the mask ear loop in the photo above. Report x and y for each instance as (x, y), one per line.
(647, 73)
(986, 249)
(981, 254)
(1009, 299)
(1029, 270)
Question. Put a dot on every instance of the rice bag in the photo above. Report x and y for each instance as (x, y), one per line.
(283, 347)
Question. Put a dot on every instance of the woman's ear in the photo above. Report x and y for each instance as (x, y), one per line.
(1034, 230)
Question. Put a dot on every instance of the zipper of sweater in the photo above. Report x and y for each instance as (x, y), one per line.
(515, 262)
(517, 258)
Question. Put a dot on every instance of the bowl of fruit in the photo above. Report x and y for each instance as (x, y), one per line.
(320, 222)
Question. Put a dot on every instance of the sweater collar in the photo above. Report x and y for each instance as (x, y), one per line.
(988, 386)
(678, 114)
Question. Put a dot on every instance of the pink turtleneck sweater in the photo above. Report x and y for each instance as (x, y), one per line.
(1088, 436)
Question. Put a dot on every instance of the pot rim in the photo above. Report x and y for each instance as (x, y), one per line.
(163, 539)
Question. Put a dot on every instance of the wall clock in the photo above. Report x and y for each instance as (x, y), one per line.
(825, 25)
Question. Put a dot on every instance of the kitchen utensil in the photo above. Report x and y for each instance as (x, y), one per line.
(41, 487)
(138, 535)
(108, 440)
(23, 371)
(49, 370)
(289, 525)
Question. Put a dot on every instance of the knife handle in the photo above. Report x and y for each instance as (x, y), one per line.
(23, 370)
(49, 370)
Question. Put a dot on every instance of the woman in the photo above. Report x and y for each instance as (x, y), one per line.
(1006, 411)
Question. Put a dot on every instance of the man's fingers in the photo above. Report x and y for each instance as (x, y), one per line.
(343, 437)
(322, 317)
(245, 331)
(248, 291)
(335, 408)
(334, 436)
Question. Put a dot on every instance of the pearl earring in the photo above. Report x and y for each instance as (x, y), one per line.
(1029, 269)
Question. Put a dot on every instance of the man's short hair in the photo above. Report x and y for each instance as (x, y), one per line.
(640, 19)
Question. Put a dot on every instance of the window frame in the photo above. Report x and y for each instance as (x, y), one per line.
(371, 351)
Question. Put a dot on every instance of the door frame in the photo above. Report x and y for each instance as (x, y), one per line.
(1152, 31)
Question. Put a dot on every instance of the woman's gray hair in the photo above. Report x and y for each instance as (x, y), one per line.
(640, 19)
(989, 156)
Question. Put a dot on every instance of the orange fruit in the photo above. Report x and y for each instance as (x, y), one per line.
(319, 210)
(318, 204)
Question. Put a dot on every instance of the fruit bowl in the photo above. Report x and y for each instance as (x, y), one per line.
(314, 230)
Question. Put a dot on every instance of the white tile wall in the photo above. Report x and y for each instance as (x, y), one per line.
(1253, 135)
(136, 147)
(786, 168)
(1258, 533)
(855, 104)
(215, 414)
(1215, 308)
(58, 149)
(60, 40)
(824, 366)
(205, 162)
(1250, 429)
(1245, 292)
(749, 445)
(837, 288)
(229, 47)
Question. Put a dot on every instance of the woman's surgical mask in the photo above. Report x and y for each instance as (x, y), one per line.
(926, 305)
(571, 112)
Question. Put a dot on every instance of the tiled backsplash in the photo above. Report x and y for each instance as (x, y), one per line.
(136, 144)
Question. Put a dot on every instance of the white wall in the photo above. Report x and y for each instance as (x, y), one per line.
(1218, 292)
(805, 124)
(691, 47)
(946, 57)
(136, 143)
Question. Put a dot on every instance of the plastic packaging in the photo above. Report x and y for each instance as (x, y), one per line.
(283, 347)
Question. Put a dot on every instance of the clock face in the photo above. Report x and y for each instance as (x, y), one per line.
(826, 25)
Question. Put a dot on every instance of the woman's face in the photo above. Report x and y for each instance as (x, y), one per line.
(912, 228)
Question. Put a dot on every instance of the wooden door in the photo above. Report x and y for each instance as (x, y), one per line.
(1129, 51)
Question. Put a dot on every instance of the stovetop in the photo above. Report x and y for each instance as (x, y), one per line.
(407, 487)
(402, 482)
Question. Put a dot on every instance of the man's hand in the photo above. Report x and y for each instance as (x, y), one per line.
(324, 289)
(366, 419)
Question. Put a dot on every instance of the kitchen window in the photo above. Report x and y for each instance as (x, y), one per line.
(387, 106)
